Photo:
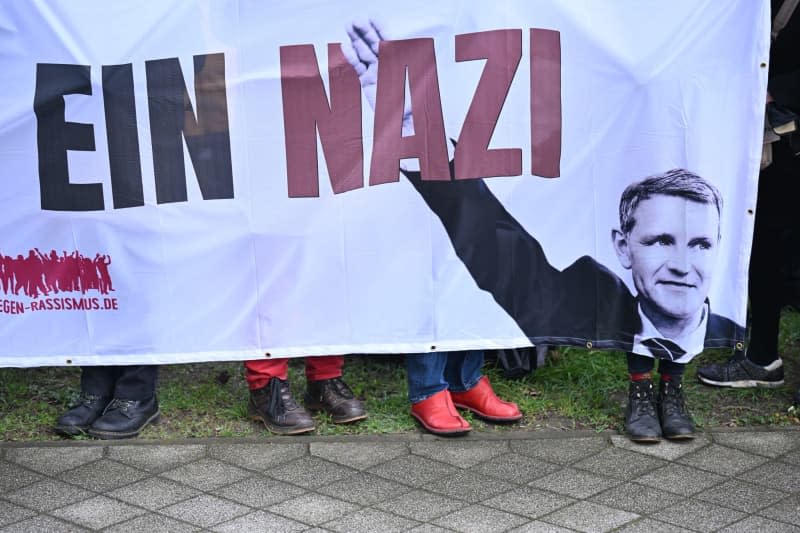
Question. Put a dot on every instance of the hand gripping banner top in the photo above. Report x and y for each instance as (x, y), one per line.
(203, 180)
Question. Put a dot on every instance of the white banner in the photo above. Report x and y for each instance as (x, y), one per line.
(220, 180)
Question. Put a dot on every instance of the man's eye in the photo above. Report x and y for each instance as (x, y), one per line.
(702, 244)
(659, 241)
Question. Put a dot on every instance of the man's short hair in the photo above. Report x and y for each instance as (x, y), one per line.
(676, 182)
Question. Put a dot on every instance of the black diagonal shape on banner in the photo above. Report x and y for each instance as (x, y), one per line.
(664, 349)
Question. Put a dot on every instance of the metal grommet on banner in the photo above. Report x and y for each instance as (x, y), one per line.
(267, 354)
(739, 346)
(763, 64)
(750, 211)
(69, 361)
(433, 348)
(589, 345)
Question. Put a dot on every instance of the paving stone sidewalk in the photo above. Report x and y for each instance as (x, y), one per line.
(509, 481)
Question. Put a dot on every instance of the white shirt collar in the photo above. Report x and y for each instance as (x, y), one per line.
(691, 342)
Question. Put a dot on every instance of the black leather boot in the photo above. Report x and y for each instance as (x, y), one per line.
(274, 405)
(641, 420)
(81, 415)
(124, 419)
(676, 422)
(335, 398)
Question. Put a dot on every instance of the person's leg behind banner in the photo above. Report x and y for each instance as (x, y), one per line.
(430, 399)
(676, 421)
(439, 382)
(326, 391)
(641, 415)
(650, 415)
(271, 401)
(97, 391)
(134, 404)
(776, 231)
(471, 390)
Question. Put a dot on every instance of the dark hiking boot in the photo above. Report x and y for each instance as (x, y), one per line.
(641, 421)
(80, 416)
(335, 398)
(739, 372)
(124, 419)
(274, 405)
(676, 422)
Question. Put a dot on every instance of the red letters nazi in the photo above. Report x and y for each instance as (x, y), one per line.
(307, 111)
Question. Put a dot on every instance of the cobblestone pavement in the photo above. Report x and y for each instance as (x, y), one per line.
(509, 481)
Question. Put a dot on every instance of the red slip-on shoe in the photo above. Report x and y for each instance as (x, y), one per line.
(482, 401)
(438, 415)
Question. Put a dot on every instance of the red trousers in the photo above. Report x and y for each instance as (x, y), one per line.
(258, 372)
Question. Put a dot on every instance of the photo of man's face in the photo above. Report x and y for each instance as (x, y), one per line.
(671, 251)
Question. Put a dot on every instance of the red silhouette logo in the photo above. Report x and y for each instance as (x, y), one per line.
(44, 274)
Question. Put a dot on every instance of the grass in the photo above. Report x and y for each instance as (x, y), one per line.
(576, 389)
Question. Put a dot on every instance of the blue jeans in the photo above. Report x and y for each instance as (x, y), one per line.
(429, 373)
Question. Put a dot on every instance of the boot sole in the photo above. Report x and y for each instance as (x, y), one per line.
(687, 436)
(316, 408)
(71, 431)
(155, 418)
(442, 432)
(488, 418)
(742, 384)
(278, 430)
(645, 440)
(349, 419)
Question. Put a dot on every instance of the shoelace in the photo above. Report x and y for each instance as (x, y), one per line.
(646, 408)
(672, 400)
(342, 388)
(286, 395)
(122, 405)
(646, 405)
(280, 397)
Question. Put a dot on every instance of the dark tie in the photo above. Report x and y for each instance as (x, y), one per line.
(664, 349)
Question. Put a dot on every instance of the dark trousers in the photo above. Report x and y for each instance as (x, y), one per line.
(775, 237)
(639, 364)
(135, 382)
